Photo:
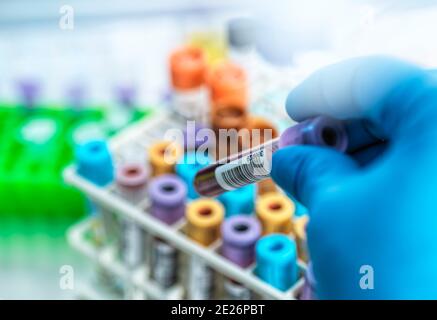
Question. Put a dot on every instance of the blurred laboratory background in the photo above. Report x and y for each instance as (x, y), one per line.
(72, 70)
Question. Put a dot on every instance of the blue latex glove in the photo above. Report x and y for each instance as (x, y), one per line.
(375, 206)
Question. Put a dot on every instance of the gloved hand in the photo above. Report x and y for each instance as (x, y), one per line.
(374, 206)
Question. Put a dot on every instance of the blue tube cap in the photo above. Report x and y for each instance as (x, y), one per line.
(276, 258)
(239, 201)
(191, 163)
(94, 162)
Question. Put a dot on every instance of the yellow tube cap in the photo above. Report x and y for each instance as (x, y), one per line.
(163, 156)
(275, 211)
(204, 217)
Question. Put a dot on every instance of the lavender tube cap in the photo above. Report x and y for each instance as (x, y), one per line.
(320, 131)
(29, 90)
(167, 194)
(240, 233)
(126, 94)
(191, 140)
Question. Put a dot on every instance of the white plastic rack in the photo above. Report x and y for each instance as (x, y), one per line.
(133, 141)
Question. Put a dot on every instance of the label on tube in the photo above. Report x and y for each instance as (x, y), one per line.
(248, 169)
(164, 264)
(201, 286)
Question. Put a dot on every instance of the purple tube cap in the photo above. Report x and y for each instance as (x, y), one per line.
(320, 131)
(167, 190)
(29, 90)
(191, 141)
(126, 94)
(241, 231)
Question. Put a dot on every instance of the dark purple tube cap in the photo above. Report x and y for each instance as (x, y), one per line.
(240, 234)
(167, 194)
(319, 131)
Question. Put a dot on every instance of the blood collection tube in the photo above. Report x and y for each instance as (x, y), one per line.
(191, 140)
(167, 195)
(94, 162)
(241, 38)
(204, 217)
(276, 261)
(190, 96)
(228, 116)
(121, 111)
(228, 81)
(239, 234)
(76, 96)
(309, 287)
(254, 165)
(299, 232)
(131, 185)
(131, 181)
(275, 212)
(163, 156)
(261, 130)
(239, 201)
(29, 90)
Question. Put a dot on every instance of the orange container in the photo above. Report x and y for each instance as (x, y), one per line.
(188, 68)
(228, 81)
(228, 117)
(258, 133)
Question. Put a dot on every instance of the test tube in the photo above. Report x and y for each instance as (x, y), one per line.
(228, 116)
(254, 165)
(191, 140)
(167, 195)
(241, 32)
(299, 232)
(239, 201)
(121, 111)
(227, 81)
(94, 162)
(163, 156)
(276, 260)
(309, 288)
(30, 90)
(76, 96)
(239, 234)
(131, 184)
(204, 217)
(187, 70)
(261, 130)
(275, 211)
(131, 181)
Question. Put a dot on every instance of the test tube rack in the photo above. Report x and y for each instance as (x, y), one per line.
(134, 140)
